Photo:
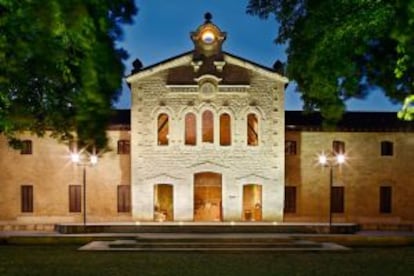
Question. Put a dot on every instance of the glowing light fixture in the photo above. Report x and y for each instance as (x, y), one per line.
(208, 37)
(331, 161)
(84, 160)
(340, 158)
(323, 159)
(75, 158)
(93, 159)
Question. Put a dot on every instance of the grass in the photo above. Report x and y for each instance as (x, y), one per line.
(65, 260)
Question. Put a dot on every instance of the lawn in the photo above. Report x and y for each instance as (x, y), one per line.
(65, 260)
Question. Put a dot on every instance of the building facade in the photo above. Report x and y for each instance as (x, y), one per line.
(207, 132)
(207, 139)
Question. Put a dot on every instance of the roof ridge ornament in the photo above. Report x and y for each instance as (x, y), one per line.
(208, 38)
(208, 16)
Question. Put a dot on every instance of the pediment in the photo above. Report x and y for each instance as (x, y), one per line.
(163, 178)
(253, 178)
(208, 166)
(233, 70)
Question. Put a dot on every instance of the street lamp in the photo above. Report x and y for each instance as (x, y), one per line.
(331, 161)
(84, 159)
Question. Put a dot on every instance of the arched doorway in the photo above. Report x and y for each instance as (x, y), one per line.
(252, 202)
(163, 202)
(207, 197)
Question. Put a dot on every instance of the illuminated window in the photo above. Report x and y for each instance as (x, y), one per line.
(26, 147)
(75, 198)
(338, 147)
(225, 130)
(252, 202)
(337, 199)
(290, 147)
(190, 129)
(252, 130)
(387, 148)
(385, 199)
(163, 129)
(290, 199)
(123, 147)
(124, 198)
(163, 202)
(208, 126)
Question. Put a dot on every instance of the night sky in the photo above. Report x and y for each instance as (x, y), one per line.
(162, 30)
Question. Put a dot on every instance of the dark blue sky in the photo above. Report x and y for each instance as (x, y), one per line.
(162, 30)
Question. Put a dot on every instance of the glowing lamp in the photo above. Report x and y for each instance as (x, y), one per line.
(208, 37)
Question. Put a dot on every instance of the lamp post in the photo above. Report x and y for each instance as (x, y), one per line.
(331, 161)
(84, 160)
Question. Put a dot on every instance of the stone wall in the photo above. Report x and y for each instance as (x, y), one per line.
(176, 164)
(50, 171)
(361, 176)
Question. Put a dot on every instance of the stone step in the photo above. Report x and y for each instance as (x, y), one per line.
(197, 245)
(211, 238)
(215, 245)
(306, 228)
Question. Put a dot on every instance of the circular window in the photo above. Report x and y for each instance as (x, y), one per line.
(208, 37)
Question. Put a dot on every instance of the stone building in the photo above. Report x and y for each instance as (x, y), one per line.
(207, 132)
(207, 139)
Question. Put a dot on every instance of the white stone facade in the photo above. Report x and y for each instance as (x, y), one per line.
(238, 164)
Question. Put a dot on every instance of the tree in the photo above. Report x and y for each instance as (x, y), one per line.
(338, 49)
(59, 67)
(407, 111)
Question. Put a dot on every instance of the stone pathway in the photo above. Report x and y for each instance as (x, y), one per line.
(212, 243)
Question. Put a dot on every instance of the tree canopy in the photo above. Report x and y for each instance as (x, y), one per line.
(339, 49)
(60, 69)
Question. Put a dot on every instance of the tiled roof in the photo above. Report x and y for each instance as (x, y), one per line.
(351, 121)
(231, 74)
(121, 120)
(185, 74)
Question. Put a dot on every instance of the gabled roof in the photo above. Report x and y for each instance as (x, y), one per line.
(185, 59)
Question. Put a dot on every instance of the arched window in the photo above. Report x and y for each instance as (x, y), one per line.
(225, 130)
(252, 130)
(163, 129)
(190, 129)
(208, 127)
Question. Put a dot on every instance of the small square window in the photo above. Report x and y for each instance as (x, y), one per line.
(387, 148)
(338, 147)
(290, 147)
(123, 146)
(26, 147)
